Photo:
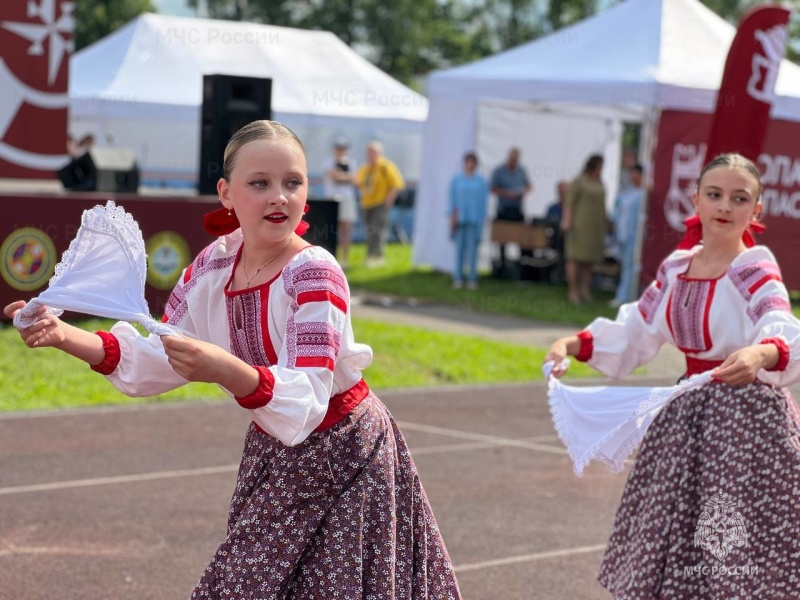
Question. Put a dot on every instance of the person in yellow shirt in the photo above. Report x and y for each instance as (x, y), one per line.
(379, 182)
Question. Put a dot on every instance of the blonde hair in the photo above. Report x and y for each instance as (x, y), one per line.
(257, 130)
(732, 160)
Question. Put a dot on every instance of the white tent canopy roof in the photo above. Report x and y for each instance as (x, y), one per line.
(161, 59)
(141, 88)
(621, 65)
(664, 53)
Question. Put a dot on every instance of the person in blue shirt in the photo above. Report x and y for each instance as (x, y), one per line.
(626, 220)
(469, 195)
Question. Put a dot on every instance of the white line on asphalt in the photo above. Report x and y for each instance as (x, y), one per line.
(480, 437)
(451, 448)
(500, 562)
(76, 483)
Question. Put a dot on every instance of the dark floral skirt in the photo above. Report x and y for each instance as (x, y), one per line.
(341, 515)
(712, 506)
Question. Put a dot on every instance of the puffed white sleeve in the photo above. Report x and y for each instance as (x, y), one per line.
(616, 348)
(770, 313)
(302, 381)
(142, 367)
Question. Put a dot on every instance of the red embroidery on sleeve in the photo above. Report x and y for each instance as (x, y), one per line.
(758, 284)
(112, 353)
(322, 296)
(315, 361)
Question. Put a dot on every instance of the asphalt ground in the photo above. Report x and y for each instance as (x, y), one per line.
(130, 503)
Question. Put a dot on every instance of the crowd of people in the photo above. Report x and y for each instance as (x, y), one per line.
(580, 231)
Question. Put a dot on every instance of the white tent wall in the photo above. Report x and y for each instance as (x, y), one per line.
(554, 146)
(141, 88)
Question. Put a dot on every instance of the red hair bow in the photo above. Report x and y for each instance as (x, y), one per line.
(694, 233)
(222, 222)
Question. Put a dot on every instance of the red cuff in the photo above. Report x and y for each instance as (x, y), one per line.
(783, 353)
(587, 346)
(111, 359)
(262, 394)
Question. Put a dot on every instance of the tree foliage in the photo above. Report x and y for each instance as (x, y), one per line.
(408, 38)
(95, 19)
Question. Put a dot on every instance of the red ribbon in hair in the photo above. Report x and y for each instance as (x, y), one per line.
(694, 233)
(222, 222)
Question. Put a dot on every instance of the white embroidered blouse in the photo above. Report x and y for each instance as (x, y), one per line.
(298, 325)
(707, 319)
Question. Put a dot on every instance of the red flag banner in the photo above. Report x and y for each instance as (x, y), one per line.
(748, 83)
(35, 45)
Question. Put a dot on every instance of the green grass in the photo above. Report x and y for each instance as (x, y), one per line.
(404, 357)
(409, 356)
(48, 378)
(535, 301)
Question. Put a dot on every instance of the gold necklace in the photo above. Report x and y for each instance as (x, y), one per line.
(258, 270)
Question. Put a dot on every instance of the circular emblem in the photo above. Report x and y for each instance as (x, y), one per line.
(27, 259)
(167, 256)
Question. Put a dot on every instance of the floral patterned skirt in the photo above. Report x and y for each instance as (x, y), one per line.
(341, 515)
(712, 506)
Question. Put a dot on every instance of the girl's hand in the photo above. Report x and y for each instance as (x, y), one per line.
(195, 360)
(47, 331)
(742, 367)
(557, 354)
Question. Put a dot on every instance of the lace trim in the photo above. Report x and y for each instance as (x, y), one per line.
(112, 221)
(606, 450)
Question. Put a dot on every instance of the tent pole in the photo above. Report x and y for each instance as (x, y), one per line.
(646, 149)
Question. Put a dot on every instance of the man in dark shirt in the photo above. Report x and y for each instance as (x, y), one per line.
(510, 183)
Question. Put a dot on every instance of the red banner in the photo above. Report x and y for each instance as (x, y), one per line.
(35, 45)
(677, 161)
(748, 83)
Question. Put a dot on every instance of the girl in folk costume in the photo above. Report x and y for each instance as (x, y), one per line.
(711, 508)
(328, 502)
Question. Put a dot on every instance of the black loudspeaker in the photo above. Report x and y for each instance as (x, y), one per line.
(323, 219)
(229, 103)
(101, 170)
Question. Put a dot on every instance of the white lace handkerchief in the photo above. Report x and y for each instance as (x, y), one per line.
(607, 423)
(102, 273)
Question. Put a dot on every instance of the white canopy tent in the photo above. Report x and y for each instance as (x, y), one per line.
(565, 96)
(141, 88)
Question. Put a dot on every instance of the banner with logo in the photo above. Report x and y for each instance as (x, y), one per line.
(678, 159)
(35, 45)
(748, 83)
